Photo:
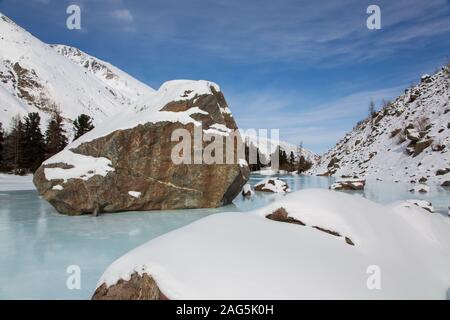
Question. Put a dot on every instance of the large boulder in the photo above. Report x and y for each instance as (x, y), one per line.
(125, 163)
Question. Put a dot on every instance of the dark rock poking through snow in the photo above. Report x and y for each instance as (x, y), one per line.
(142, 175)
(139, 287)
(281, 215)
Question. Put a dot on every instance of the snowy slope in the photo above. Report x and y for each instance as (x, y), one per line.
(36, 77)
(405, 141)
(268, 146)
(246, 256)
(121, 84)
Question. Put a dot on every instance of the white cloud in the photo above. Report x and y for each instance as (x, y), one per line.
(123, 15)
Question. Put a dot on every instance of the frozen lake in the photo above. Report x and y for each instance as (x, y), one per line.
(37, 244)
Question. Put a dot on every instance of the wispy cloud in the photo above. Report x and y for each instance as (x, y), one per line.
(123, 15)
(318, 126)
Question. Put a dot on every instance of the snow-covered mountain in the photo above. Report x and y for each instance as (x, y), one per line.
(268, 146)
(37, 77)
(408, 139)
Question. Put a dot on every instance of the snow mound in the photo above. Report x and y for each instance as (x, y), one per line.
(240, 255)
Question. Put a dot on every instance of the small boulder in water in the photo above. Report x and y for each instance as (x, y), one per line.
(247, 191)
(350, 184)
(421, 188)
(272, 185)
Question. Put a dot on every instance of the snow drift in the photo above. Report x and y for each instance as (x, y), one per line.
(247, 256)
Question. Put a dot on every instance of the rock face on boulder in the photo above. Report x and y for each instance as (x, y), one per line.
(126, 163)
(139, 287)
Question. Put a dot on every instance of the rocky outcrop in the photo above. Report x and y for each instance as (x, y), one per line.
(281, 215)
(138, 287)
(131, 169)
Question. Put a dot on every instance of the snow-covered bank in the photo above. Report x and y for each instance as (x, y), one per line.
(246, 256)
(11, 182)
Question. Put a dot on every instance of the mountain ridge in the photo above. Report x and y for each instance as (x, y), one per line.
(38, 77)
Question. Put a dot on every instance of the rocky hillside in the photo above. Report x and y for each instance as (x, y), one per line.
(407, 140)
(37, 77)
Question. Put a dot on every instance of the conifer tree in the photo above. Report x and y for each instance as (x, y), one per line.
(55, 137)
(81, 125)
(14, 146)
(291, 161)
(33, 142)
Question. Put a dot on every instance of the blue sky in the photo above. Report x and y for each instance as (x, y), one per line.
(308, 68)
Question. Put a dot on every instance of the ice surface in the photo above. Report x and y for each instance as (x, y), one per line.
(37, 244)
(10, 182)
